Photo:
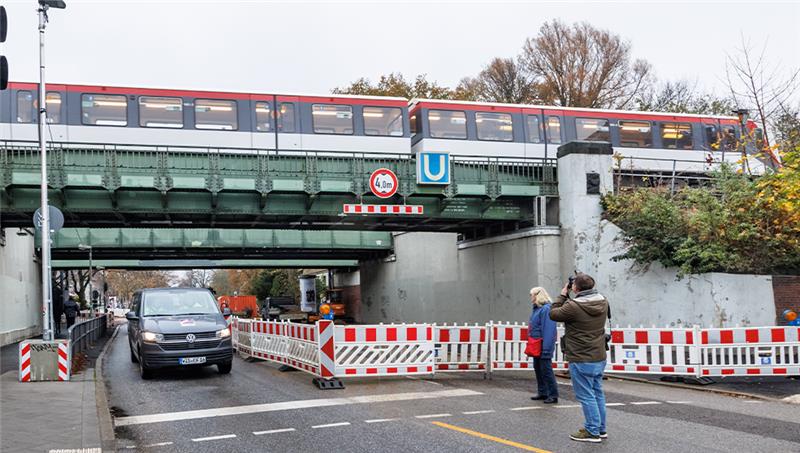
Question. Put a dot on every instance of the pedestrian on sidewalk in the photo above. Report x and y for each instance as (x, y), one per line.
(71, 310)
(541, 326)
(584, 346)
(58, 307)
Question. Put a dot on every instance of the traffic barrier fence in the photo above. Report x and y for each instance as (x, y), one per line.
(334, 351)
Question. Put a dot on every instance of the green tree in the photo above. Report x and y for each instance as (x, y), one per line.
(395, 84)
(683, 97)
(261, 285)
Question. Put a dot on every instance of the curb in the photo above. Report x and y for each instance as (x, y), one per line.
(695, 388)
(107, 437)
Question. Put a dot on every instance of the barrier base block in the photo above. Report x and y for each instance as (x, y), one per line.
(691, 380)
(328, 384)
(286, 368)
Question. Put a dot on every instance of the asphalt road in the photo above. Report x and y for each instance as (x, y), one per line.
(451, 413)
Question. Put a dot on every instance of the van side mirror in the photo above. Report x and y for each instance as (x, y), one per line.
(226, 311)
(131, 316)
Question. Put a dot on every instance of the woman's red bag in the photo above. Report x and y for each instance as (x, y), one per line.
(534, 347)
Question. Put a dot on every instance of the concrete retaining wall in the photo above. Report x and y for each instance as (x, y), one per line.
(20, 282)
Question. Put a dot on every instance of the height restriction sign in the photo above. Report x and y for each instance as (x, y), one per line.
(383, 183)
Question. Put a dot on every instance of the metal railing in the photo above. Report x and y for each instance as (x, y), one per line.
(84, 334)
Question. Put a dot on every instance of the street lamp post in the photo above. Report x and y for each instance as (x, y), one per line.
(47, 289)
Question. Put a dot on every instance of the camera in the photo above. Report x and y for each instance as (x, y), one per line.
(571, 280)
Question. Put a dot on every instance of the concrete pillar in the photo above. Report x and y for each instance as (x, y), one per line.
(584, 173)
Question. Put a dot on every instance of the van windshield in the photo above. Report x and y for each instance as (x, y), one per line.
(178, 302)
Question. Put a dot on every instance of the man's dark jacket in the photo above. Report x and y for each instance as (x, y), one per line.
(584, 319)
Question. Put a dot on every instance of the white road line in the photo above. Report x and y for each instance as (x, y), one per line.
(205, 439)
(424, 380)
(524, 408)
(566, 406)
(381, 420)
(331, 425)
(564, 383)
(645, 403)
(679, 402)
(754, 402)
(433, 415)
(477, 412)
(273, 431)
(160, 444)
(287, 405)
(614, 404)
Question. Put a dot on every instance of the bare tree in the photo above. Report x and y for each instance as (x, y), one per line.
(582, 66)
(756, 84)
(124, 283)
(502, 80)
(394, 84)
(683, 96)
(197, 278)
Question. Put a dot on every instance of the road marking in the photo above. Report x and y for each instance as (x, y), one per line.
(564, 383)
(477, 412)
(499, 440)
(205, 439)
(754, 402)
(679, 402)
(566, 406)
(433, 415)
(331, 425)
(381, 420)
(287, 405)
(159, 444)
(424, 380)
(614, 404)
(645, 403)
(524, 408)
(273, 431)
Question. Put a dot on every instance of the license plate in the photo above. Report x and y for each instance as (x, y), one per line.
(191, 360)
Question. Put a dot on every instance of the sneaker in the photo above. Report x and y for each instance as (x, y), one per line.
(584, 436)
(538, 397)
(603, 435)
(551, 401)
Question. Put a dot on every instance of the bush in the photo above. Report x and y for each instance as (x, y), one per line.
(738, 224)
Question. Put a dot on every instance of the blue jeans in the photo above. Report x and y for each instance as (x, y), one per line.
(587, 382)
(545, 379)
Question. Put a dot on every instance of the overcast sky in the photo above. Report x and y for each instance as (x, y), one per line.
(311, 47)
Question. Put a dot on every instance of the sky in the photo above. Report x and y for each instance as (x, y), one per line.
(312, 47)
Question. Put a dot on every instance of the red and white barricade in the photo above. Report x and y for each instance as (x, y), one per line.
(744, 351)
(507, 344)
(41, 360)
(241, 329)
(654, 351)
(290, 344)
(461, 347)
(383, 350)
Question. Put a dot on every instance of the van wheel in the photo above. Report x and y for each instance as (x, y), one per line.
(144, 372)
(133, 356)
(224, 368)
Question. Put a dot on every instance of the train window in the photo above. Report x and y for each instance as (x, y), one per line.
(104, 110)
(534, 129)
(712, 138)
(215, 114)
(412, 121)
(25, 107)
(729, 140)
(447, 124)
(635, 134)
(332, 119)
(263, 119)
(676, 135)
(53, 103)
(496, 127)
(286, 118)
(383, 121)
(160, 112)
(554, 130)
(593, 130)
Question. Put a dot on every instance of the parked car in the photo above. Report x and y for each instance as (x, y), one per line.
(176, 327)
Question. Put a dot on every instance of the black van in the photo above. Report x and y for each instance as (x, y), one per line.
(176, 327)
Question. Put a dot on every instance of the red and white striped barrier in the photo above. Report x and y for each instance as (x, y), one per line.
(63, 361)
(461, 347)
(751, 351)
(383, 350)
(24, 362)
(286, 343)
(44, 360)
(392, 209)
(654, 351)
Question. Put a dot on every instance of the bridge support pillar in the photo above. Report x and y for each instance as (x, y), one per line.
(584, 174)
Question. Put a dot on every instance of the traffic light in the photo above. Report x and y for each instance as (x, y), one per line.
(3, 60)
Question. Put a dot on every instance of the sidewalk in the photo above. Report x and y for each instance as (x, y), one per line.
(45, 416)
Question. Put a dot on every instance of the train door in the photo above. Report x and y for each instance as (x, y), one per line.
(288, 124)
(554, 132)
(5, 115)
(263, 117)
(56, 103)
(535, 145)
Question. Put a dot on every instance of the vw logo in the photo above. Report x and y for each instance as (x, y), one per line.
(190, 338)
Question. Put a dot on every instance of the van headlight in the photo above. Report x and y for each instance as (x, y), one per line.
(224, 333)
(152, 337)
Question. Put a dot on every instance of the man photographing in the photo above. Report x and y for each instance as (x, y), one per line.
(584, 346)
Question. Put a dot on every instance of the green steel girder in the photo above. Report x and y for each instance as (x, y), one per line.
(284, 189)
(205, 264)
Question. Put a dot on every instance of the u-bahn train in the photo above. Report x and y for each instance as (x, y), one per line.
(85, 114)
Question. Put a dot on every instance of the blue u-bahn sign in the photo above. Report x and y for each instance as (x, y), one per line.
(433, 168)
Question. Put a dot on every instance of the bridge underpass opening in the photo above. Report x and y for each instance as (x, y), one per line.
(158, 187)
